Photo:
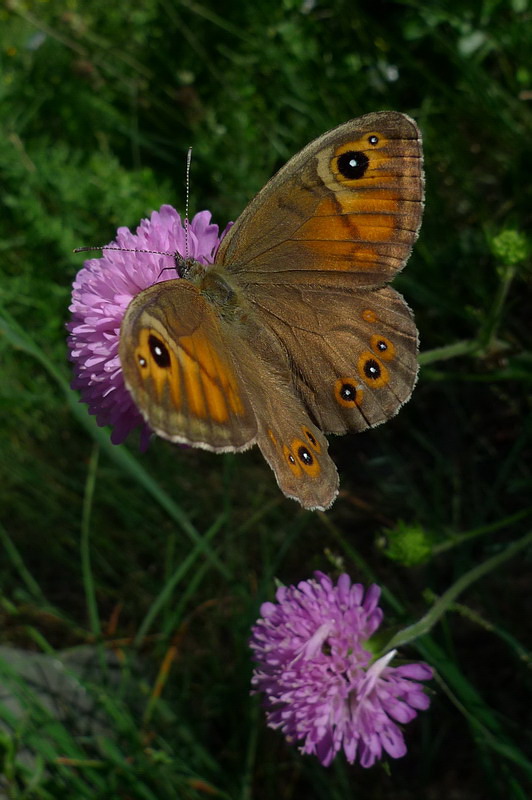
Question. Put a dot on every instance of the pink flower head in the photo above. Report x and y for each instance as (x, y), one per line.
(319, 683)
(102, 291)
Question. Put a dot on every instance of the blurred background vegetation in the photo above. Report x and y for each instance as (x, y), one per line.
(139, 575)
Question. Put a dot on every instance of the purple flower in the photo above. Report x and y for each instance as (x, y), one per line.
(102, 291)
(320, 685)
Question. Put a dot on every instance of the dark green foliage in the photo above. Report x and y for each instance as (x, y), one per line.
(98, 104)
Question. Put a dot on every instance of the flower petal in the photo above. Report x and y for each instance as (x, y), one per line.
(320, 687)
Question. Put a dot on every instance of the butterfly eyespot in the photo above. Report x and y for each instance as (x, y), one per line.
(373, 139)
(311, 439)
(142, 362)
(347, 393)
(368, 315)
(305, 459)
(372, 370)
(353, 164)
(291, 461)
(383, 346)
(304, 455)
(159, 351)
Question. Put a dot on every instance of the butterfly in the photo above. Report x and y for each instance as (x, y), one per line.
(292, 332)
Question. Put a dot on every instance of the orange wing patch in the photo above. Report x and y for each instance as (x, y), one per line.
(291, 461)
(368, 315)
(346, 223)
(349, 214)
(156, 363)
(299, 456)
(194, 373)
(211, 383)
(366, 217)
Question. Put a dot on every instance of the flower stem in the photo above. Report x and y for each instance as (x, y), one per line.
(88, 578)
(426, 623)
(485, 341)
(459, 539)
(448, 351)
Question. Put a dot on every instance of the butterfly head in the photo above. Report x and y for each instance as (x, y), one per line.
(188, 268)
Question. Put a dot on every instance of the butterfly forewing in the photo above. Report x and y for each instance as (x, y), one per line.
(344, 212)
(313, 251)
(180, 370)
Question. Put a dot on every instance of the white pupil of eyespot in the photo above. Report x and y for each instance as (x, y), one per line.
(353, 162)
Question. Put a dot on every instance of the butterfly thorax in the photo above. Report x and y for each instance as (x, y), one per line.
(221, 291)
(214, 283)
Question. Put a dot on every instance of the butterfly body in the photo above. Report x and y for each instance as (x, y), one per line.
(292, 332)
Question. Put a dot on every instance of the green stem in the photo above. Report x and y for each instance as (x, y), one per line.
(86, 569)
(448, 351)
(458, 540)
(489, 334)
(16, 560)
(485, 340)
(163, 598)
(426, 623)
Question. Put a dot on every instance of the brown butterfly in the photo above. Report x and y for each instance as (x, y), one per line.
(292, 332)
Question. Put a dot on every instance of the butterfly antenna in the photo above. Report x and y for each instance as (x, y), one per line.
(187, 195)
(124, 249)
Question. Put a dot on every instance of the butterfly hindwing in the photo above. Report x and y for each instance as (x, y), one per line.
(294, 447)
(353, 364)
